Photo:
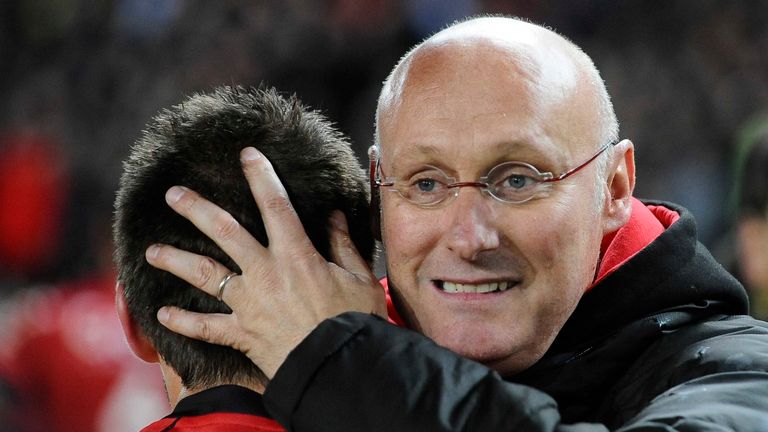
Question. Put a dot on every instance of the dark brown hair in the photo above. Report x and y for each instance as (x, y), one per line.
(197, 144)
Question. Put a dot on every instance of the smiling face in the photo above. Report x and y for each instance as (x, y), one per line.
(489, 280)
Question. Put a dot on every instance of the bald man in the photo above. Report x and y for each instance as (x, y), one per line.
(538, 293)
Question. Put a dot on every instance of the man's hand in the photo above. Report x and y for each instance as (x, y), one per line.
(285, 290)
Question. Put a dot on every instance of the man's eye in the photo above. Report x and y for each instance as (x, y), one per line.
(426, 185)
(517, 181)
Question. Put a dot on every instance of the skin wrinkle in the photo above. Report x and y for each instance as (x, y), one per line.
(498, 31)
(466, 102)
(512, 148)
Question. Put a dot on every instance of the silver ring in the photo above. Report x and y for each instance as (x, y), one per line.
(223, 284)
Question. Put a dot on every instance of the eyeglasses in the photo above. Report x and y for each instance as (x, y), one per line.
(510, 182)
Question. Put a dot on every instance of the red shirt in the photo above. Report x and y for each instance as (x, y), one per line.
(67, 364)
(223, 408)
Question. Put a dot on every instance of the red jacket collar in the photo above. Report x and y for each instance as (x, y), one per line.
(392, 315)
(645, 224)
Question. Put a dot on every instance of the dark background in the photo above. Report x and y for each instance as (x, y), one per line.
(79, 79)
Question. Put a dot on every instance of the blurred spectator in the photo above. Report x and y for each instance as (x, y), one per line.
(64, 364)
(89, 74)
(145, 19)
(33, 186)
(425, 17)
(752, 212)
(684, 75)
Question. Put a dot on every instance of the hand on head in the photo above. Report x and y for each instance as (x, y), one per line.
(285, 290)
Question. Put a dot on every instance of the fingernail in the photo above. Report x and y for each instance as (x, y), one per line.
(339, 221)
(249, 154)
(153, 251)
(163, 315)
(174, 194)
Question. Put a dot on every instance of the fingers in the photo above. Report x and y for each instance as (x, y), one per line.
(215, 223)
(219, 329)
(197, 270)
(280, 219)
(344, 252)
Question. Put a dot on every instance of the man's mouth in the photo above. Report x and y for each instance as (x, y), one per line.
(482, 288)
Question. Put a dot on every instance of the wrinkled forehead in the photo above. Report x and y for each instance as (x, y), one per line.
(470, 84)
(476, 91)
(546, 58)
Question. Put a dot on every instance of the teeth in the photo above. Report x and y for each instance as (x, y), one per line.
(451, 287)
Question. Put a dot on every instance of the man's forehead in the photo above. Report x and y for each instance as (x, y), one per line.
(461, 80)
(468, 52)
(518, 52)
(547, 63)
(465, 80)
(510, 37)
(506, 149)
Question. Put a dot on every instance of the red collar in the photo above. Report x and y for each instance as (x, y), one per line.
(645, 224)
(392, 315)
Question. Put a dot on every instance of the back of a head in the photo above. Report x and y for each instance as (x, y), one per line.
(197, 144)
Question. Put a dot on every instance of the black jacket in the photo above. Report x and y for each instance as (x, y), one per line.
(659, 345)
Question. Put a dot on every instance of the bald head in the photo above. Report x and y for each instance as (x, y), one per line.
(552, 69)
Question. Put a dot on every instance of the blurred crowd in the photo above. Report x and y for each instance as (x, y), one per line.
(81, 78)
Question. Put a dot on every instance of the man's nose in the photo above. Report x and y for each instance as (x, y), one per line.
(472, 224)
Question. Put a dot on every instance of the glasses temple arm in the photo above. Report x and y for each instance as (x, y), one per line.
(587, 162)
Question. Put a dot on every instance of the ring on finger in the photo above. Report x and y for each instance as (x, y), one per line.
(223, 284)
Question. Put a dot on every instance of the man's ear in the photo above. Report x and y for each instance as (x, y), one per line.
(139, 343)
(620, 184)
(375, 204)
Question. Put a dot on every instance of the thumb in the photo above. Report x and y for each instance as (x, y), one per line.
(343, 251)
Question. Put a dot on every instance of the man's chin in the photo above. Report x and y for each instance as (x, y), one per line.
(481, 353)
(499, 358)
(510, 365)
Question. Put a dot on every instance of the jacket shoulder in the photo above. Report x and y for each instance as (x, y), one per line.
(723, 353)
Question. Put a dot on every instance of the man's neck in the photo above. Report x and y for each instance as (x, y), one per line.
(177, 390)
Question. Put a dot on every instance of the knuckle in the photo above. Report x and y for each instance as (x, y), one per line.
(306, 261)
(243, 347)
(227, 226)
(205, 330)
(278, 203)
(339, 238)
(205, 271)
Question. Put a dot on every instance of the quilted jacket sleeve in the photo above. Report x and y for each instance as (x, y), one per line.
(358, 373)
